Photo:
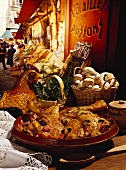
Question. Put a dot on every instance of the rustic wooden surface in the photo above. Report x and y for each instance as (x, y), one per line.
(113, 162)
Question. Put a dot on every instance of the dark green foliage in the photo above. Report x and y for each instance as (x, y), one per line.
(52, 91)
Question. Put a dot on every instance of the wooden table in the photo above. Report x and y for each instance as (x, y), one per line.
(113, 162)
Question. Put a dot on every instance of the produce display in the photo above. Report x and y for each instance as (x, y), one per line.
(28, 50)
(39, 61)
(71, 123)
(34, 57)
(35, 53)
(32, 49)
(46, 68)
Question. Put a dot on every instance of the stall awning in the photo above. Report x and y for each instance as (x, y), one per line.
(19, 34)
(7, 34)
(27, 10)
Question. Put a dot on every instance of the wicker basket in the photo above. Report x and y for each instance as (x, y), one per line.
(61, 101)
(15, 71)
(91, 95)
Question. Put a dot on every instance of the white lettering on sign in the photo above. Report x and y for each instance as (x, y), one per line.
(88, 5)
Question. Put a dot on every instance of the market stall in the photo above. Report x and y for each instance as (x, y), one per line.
(61, 109)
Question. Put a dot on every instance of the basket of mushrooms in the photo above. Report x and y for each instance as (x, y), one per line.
(89, 86)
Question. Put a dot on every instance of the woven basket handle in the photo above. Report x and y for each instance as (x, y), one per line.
(110, 82)
(75, 69)
(60, 83)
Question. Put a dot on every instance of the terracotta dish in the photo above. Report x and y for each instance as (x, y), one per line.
(62, 145)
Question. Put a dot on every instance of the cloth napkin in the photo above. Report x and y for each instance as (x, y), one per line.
(6, 124)
(11, 158)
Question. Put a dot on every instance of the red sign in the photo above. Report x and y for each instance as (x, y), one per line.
(89, 22)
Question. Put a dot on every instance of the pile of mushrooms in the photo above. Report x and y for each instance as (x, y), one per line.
(90, 78)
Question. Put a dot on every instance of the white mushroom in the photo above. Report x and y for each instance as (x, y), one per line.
(78, 77)
(87, 72)
(79, 85)
(77, 82)
(87, 82)
(105, 77)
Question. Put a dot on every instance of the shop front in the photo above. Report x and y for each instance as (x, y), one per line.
(62, 104)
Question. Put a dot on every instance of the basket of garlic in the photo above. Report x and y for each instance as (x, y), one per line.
(90, 86)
